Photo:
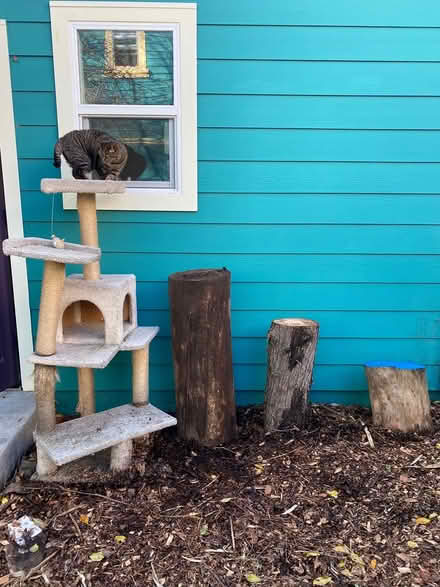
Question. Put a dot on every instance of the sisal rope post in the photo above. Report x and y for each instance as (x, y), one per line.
(44, 380)
(139, 362)
(86, 391)
(44, 383)
(89, 231)
(50, 307)
(121, 455)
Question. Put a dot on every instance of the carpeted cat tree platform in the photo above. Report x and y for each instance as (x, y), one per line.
(84, 320)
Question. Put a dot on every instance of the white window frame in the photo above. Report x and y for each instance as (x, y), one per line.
(66, 18)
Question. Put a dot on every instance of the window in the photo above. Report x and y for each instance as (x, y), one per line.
(125, 54)
(129, 69)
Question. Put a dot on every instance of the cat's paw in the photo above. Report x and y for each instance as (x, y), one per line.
(112, 177)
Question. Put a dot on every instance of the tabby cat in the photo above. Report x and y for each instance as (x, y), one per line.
(91, 150)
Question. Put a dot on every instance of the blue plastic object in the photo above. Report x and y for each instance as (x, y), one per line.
(395, 364)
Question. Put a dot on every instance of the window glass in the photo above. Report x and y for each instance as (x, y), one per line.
(126, 67)
(150, 146)
(124, 46)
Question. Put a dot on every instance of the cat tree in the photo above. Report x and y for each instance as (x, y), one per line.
(84, 320)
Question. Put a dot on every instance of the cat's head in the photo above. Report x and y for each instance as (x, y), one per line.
(113, 151)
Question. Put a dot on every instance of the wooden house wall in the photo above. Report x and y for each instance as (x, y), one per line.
(319, 179)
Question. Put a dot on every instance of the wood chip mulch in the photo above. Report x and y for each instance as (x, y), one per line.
(339, 503)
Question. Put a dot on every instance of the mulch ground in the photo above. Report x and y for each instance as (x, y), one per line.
(339, 503)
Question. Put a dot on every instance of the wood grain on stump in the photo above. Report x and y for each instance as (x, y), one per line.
(202, 353)
(291, 355)
(399, 396)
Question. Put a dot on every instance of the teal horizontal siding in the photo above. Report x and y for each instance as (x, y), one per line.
(425, 13)
(66, 401)
(355, 351)
(338, 112)
(38, 108)
(275, 77)
(271, 267)
(335, 325)
(290, 177)
(264, 209)
(29, 38)
(287, 177)
(319, 78)
(35, 108)
(318, 43)
(261, 239)
(305, 296)
(318, 145)
(281, 145)
(318, 173)
(36, 142)
(246, 377)
(32, 74)
(276, 43)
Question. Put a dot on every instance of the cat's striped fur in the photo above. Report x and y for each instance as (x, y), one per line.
(91, 150)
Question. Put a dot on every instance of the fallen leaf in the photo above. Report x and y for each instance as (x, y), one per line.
(333, 493)
(433, 515)
(290, 510)
(34, 548)
(322, 581)
(4, 580)
(404, 570)
(121, 539)
(204, 530)
(259, 468)
(40, 523)
(311, 553)
(341, 564)
(4, 500)
(341, 548)
(356, 558)
(437, 445)
(226, 499)
(347, 573)
(252, 578)
(412, 544)
(373, 563)
(423, 521)
(84, 518)
(96, 556)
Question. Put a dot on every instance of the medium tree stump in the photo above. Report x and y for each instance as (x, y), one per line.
(202, 353)
(399, 396)
(291, 355)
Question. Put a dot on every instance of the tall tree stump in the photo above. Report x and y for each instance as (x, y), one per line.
(202, 353)
(399, 396)
(291, 356)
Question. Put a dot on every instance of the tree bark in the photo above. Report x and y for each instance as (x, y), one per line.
(399, 396)
(202, 353)
(291, 355)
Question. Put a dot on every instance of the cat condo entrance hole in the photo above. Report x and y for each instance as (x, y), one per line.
(99, 311)
(85, 320)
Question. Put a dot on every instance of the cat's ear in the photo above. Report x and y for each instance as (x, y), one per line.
(57, 152)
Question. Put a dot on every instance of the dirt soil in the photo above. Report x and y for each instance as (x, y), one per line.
(339, 503)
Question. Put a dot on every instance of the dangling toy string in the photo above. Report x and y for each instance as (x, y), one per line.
(51, 218)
